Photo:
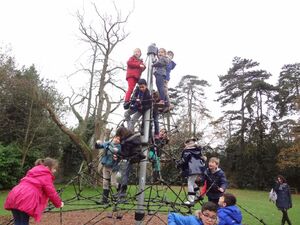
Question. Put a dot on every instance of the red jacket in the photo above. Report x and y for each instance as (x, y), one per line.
(133, 67)
(32, 193)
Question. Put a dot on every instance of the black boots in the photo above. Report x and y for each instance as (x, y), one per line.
(105, 194)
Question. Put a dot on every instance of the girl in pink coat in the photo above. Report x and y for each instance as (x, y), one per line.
(135, 67)
(30, 196)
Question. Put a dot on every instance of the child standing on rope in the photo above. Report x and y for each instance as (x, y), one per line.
(30, 196)
(131, 152)
(207, 216)
(160, 72)
(135, 67)
(109, 161)
(216, 182)
(192, 164)
(228, 212)
(141, 101)
(170, 66)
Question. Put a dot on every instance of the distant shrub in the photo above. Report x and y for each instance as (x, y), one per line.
(10, 166)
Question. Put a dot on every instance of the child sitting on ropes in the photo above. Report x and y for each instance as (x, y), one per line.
(155, 153)
(135, 67)
(192, 163)
(228, 212)
(207, 216)
(141, 101)
(109, 161)
(131, 152)
(216, 181)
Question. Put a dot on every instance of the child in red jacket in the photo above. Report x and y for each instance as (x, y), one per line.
(30, 196)
(135, 67)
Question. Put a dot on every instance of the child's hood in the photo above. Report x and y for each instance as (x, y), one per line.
(231, 211)
(38, 171)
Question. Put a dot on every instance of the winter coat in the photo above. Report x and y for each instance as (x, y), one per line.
(131, 148)
(215, 181)
(134, 68)
(177, 219)
(32, 193)
(191, 161)
(160, 66)
(110, 149)
(230, 215)
(171, 65)
(141, 101)
(284, 200)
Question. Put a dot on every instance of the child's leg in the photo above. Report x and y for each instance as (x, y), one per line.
(113, 180)
(131, 81)
(191, 193)
(127, 116)
(106, 177)
(167, 100)
(160, 86)
(20, 218)
(133, 120)
(156, 123)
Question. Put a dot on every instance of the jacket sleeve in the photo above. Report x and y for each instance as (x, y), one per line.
(223, 181)
(147, 102)
(171, 65)
(134, 63)
(290, 196)
(177, 219)
(50, 192)
(161, 62)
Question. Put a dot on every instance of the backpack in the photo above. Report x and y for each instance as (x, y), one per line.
(272, 196)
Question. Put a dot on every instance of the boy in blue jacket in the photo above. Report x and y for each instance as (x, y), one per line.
(207, 216)
(229, 213)
(109, 160)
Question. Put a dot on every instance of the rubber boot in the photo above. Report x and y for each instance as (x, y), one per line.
(105, 195)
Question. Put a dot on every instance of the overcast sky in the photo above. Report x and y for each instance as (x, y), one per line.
(204, 35)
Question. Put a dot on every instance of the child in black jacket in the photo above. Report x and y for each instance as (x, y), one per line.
(192, 163)
(141, 101)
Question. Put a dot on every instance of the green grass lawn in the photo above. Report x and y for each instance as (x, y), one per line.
(255, 202)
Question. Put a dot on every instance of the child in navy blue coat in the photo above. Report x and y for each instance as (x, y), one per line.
(216, 182)
(284, 200)
(192, 164)
(229, 213)
(207, 216)
(109, 160)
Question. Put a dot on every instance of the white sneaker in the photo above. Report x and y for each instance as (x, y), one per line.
(189, 203)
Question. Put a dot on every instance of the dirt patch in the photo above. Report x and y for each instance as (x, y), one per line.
(89, 217)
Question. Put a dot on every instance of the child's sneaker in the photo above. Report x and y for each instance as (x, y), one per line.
(126, 105)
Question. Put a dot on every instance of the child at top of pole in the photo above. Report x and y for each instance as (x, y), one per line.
(160, 72)
(135, 67)
(171, 65)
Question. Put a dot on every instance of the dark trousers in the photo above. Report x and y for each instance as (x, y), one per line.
(285, 217)
(20, 218)
(160, 86)
(214, 200)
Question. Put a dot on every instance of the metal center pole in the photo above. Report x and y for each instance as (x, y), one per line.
(140, 213)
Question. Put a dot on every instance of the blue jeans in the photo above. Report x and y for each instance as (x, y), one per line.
(160, 86)
(20, 218)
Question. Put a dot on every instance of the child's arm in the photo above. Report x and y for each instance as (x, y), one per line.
(223, 182)
(177, 219)
(161, 62)
(99, 144)
(134, 63)
(49, 190)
